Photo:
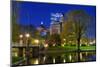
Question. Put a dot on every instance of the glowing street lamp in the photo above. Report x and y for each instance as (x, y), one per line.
(21, 36)
(46, 45)
(21, 41)
(27, 35)
(36, 41)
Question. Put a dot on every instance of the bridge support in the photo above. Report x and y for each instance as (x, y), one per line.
(35, 52)
(20, 52)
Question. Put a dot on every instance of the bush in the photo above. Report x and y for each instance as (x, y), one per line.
(15, 59)
(54, 39)
(83, 44)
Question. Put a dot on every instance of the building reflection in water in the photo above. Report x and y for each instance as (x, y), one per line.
(34, 61)
(54, 60)
(70, 57)
(81, 56)
(44, 58)
(63, 58)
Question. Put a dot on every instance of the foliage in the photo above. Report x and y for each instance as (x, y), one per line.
(15, 28)
(54, 39)
(75, 26)
(16, 59)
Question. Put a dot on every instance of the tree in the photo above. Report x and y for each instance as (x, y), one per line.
(75, 26)
(54, 39)
(14, 20)
(67, 33)
(15, 28)
(80, 20)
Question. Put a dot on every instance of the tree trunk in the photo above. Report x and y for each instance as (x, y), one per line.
(78, 42)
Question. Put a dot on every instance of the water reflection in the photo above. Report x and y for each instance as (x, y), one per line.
(70, 57)
(36, 61)
(53, 58)
(64, 60)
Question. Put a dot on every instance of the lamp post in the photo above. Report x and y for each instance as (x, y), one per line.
(21, 41)
(20, 35)
(27, 35)
(20, 50)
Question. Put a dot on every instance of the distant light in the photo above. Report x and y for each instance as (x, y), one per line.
(36, 41)
(27, 35)
(64, 39)
(44, 58)
(92, 42)
(16, 55)
(53, 60)
(70, 57)
(36, 61)
(63, 45)
(81, 56)
(70, 41)
(20, 35)
(46, 45)
(41, 23)
(54, 44)
(64, 60)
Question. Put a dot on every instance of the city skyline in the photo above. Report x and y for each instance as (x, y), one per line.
(31, 13)
(51, 33)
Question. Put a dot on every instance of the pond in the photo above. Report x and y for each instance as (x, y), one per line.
(63, 57)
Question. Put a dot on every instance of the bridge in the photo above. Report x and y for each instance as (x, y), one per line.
(24, 46)
(21, 50)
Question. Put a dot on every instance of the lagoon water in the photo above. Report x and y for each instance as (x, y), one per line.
(64, 57)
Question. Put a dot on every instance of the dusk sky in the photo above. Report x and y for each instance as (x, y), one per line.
(35, 13)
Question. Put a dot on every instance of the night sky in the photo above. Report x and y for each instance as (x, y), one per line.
(35, 13)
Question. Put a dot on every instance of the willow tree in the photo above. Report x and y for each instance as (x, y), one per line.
(15, 26)
(80, 20)
(15, 29)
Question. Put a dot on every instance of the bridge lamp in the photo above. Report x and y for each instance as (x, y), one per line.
(27, 35)
(21, 36)
(21, 41)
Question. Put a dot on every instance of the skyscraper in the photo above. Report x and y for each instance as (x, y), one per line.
(56, 23)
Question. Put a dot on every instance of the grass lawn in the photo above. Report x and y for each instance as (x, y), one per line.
(64, 48)
(16, 59)
(88, 47)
